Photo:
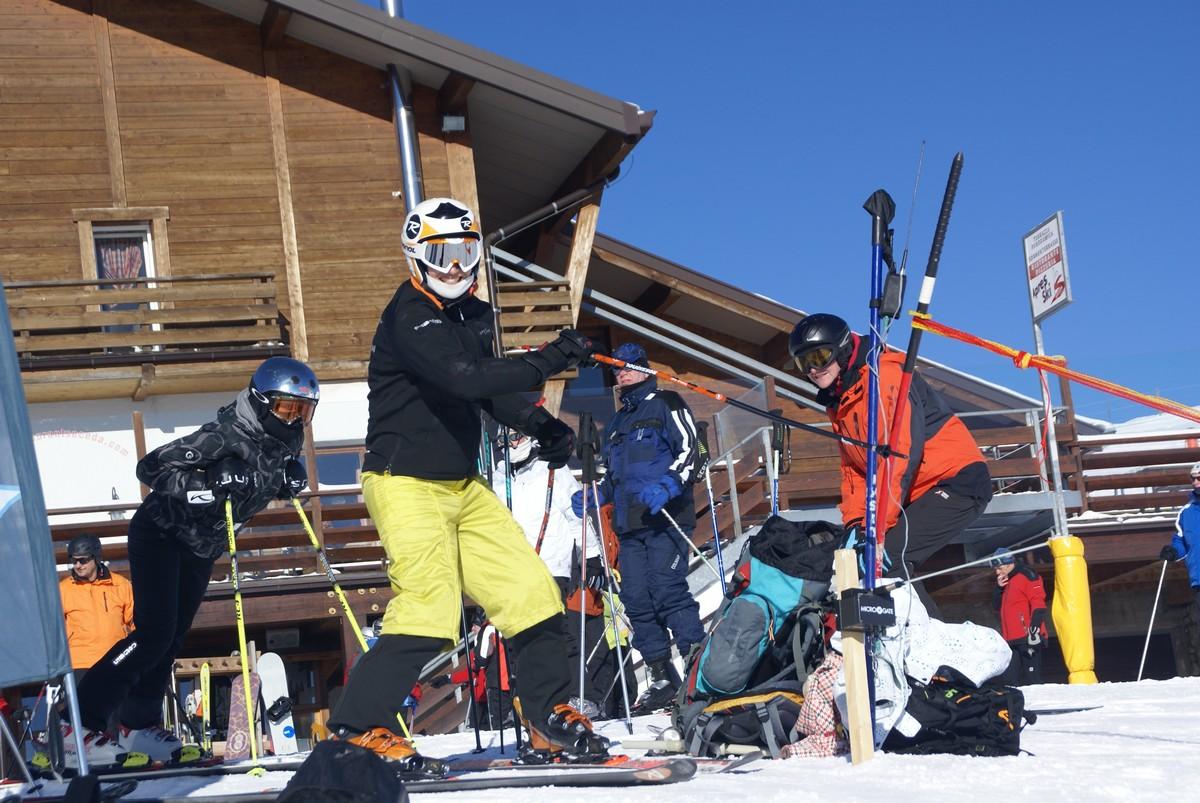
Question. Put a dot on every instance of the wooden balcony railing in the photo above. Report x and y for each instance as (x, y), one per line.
(72, 324)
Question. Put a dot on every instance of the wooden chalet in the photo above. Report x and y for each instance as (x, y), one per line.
(189, 186)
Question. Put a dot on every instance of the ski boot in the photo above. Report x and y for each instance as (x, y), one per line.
(660, 694)
(408, 763)
(564, 735)
(101, 751)
(161, 745)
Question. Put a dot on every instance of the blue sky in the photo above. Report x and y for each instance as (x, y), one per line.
(777, 120)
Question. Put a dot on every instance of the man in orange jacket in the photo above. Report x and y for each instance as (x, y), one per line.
(97, 604)
(937, 489)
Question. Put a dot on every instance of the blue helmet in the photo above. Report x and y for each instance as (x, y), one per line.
(1001, 557)
(631, 353)
(286, 387)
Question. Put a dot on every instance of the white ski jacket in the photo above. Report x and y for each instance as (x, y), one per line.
(528, 507)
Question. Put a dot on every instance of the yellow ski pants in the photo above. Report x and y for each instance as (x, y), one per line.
(446, 537)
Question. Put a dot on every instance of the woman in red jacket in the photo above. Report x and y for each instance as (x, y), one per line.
(1020, 597)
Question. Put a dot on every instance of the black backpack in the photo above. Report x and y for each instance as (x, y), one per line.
(961, 719)
(341, 772)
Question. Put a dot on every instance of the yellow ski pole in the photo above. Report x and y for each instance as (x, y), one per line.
(205, 717)
(241, 628)
(341, 595)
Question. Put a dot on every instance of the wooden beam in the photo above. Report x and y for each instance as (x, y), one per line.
(452, 97)
(287, 216)
(108, 94)
(139, 445)
(108, 214)
(854, 654)
(274, 25)
(654, 299)
(604, 157)
(144, 383)
(581, 253)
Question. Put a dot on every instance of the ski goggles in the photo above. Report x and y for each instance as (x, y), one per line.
(444, 253)
(996, 561)
(290, 409)
(817, 359)
(515, 438)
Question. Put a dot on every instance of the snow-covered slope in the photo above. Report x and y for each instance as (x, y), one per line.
(1142, 744)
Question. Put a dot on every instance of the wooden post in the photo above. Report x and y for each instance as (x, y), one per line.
(1076, 460)
(854, 655)
(576, 276)
(139, 443)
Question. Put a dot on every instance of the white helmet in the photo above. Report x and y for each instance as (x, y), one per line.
(441, 234)
(1195, 472)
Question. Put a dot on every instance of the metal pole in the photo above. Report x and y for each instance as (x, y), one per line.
(609, 584)
(76, 721)
(1153, 611)
(695, 549)
(1060, 508)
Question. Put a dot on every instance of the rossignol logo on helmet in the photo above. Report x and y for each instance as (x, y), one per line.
(465, 222)
(413, 227)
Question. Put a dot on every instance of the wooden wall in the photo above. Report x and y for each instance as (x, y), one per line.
(190, 128)
(53, 155)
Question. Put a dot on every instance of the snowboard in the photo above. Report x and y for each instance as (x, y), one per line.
(278, 704)
(237, 733)
(704, 765)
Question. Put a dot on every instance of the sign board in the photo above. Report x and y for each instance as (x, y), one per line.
(1046, 267)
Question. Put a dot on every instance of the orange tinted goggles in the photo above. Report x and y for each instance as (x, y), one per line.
(815, 359)
(291, 409)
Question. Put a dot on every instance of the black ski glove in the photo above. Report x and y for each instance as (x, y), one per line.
(1168, 553)
(555, 439)
(295, 480)
(566, 351)
(595, 574)
(230, 476)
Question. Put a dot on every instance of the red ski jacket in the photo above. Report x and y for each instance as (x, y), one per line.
(1024, 594)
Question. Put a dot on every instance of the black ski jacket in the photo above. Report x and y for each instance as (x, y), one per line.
(182, 505)
(431, 372)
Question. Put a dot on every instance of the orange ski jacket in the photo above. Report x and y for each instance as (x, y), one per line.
(97, 614)
(936, 443)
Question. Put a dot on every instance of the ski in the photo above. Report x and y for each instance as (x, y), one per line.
(614, 762)
(1049, 712)
(675, 770)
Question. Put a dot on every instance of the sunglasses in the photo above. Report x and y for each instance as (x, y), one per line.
(83, 561)
(817, 359)
(290, 409)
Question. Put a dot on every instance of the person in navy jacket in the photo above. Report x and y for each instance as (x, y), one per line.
(1186, 543)
(650, 453)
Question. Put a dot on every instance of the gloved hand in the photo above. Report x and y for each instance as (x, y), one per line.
(1168, 553)
(554, 438)
(230, 475)
(440, 681)
(595, 574)
(566, 351)
(594, 501)
(656, 495)
(1034, 636)
(295, 480)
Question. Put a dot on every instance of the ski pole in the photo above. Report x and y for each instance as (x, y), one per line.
(914, 337)
(341, 595)
(702, 445)
(474, 707)
(894, 584)
(545, 513)
(609, 586)
(693, 547)
(240, 615)
(1153, 611)
(721, 397)
(206, 702)
(588, 444)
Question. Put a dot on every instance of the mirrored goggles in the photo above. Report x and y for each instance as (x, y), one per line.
(515, 438)
(443, 254)
(997, 562)
(817, 359)
(290, 409)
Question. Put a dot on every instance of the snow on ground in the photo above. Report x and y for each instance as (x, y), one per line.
(1143, 744)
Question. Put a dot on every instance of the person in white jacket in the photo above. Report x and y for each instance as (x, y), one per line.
(541, 504)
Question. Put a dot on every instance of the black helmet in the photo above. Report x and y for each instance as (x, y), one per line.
(286, 387)
(84, 546)
(820, 339)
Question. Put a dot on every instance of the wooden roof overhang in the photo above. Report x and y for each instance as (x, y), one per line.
(534, 136)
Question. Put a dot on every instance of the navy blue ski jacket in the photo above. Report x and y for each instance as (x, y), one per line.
(1187, 538)
(652, 437)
